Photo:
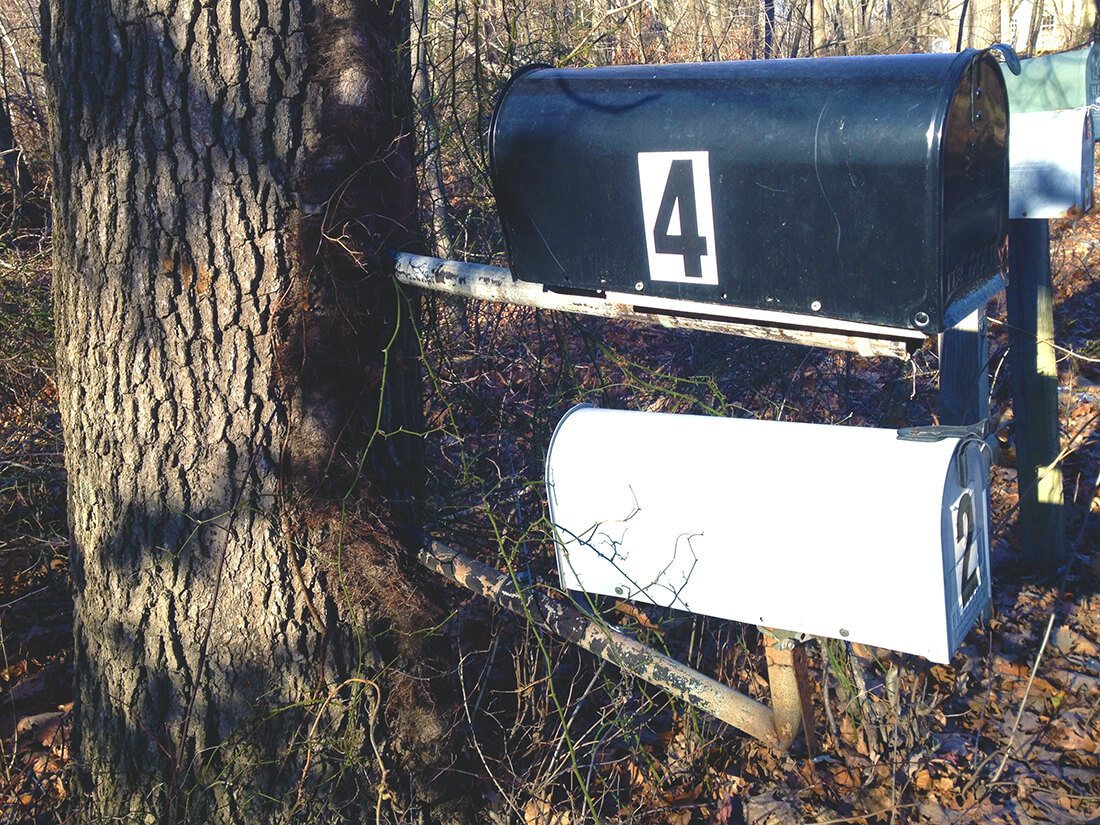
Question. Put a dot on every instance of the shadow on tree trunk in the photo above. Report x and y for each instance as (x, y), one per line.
(240, 396)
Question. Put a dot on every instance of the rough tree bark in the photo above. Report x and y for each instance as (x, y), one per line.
(249, 645)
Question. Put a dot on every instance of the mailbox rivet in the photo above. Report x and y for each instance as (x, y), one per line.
(844, 633)
(816, 306)
(639, 286)
(619, 591)
(921, 319)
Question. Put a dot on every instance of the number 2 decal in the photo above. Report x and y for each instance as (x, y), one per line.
(966, 549)
(679, 217)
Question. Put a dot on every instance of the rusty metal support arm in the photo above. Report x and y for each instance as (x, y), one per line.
(776, 728)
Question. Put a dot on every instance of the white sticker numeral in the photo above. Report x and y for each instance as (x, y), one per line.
(679, 217)
(967, 562)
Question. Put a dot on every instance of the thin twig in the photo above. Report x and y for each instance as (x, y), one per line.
(473, 738)
(1019, 715)
(866, 816)
(1071, 353)
(826, 670)
(588, 39)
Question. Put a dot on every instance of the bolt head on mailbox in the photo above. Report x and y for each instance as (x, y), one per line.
(859, 194)
(845, 532)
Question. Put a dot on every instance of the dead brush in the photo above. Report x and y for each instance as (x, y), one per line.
(562, 737)
(897, 727)
(35, 610)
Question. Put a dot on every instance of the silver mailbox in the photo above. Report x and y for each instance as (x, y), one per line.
(846, 532)
(1051, 163)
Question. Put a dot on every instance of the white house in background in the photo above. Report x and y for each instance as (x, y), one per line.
(1058, 24)
(1061, 24)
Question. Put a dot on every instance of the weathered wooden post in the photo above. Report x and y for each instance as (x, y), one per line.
(1035, 394)
(964, 371)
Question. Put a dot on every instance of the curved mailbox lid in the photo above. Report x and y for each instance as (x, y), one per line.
(1064, 80)
(845, 532)
(861, 189)
(1052, 164)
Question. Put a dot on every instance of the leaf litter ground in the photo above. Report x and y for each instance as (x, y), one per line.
(1007, 733)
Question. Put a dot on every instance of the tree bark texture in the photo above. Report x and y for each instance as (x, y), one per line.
(248, 645)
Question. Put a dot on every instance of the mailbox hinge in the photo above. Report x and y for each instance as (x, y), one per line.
(938, 432)
(979, 434)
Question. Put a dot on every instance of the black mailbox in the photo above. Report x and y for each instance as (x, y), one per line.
(838, 192)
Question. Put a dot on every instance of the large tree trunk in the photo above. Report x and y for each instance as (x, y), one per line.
(248, 645)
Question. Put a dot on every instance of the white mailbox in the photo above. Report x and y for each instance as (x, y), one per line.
(845, 532)
(1050, 164)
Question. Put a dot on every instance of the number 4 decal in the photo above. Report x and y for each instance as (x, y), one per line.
(679, 217)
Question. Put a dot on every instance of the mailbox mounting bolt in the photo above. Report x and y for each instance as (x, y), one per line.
(844, 633)
(921, 319)
(619, 591)
(639, 286)
(816, 306)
